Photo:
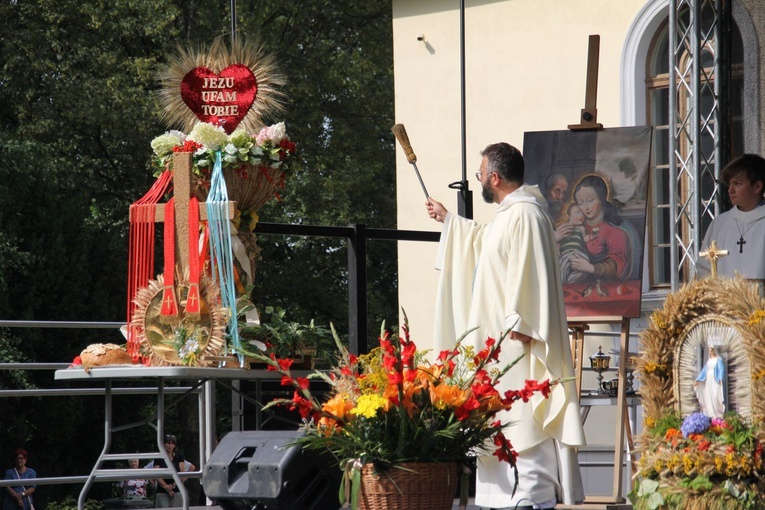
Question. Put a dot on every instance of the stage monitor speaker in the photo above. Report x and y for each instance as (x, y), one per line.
(256, 470)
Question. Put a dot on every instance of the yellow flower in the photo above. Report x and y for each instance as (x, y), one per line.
(756, 317)
(254, 218)
(687, 464)
(658, 321)
(649, 422)
(759, 375)
(367, 405)
(650, 367)
(730, 464)
(718, 464)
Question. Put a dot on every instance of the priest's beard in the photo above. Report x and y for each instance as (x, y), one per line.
(487, 193)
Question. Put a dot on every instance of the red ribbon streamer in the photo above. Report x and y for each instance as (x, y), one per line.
(141, 251)
(192, 300)
(169, 305)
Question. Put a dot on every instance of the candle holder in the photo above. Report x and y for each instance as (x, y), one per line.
(631, 365)
(600, 363)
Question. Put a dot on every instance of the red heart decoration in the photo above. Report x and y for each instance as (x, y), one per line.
(221, 99)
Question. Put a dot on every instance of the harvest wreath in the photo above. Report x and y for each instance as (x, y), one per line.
(689, 460)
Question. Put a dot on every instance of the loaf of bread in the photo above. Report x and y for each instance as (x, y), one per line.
(99, 355)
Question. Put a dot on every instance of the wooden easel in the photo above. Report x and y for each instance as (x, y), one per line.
(589, 121)
(623, 430)
(589, 114)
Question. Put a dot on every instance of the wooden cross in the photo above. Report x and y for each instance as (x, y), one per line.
(713, 254)
(182, 192)
(741, 242)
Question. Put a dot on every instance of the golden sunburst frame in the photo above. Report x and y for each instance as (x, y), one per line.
(684, 469)
(268, 100)
(157, 335)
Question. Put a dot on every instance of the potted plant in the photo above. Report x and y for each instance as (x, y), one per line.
(285, 339)
(399, 425)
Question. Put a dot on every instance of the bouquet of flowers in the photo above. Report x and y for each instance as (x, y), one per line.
(391, 406)
(253, 164)
(701, 462)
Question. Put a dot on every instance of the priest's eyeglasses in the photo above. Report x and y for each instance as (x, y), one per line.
(478, 175)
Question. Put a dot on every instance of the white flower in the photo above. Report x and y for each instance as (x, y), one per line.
(262, 137)
(277, 133)
(180, 134)
(212, 137)
(190, 347)
(163, 144)
(230, 149)
(256, 150)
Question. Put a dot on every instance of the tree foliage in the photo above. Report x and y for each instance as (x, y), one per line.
(77, 112)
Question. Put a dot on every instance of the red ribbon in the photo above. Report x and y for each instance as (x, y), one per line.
(141, 251)
(192, 300)
(169, 305)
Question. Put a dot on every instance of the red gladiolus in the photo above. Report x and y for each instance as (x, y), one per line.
(482, 390)
(302, 405)
(504, 451)
(544, 387)
(395, 378)
(389, 362)
(451, 366)
(407, 352)
(463, 412)
(303, 382)
(481, 357)
(285, 364)
(286, 380)
(386, 346)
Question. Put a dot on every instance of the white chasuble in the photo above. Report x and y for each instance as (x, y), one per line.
(506, 275)
(743, 235)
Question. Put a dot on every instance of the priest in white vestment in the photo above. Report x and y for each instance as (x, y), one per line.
(502, 276)
(741, 230)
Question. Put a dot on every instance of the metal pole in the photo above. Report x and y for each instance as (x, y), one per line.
(465, 197)
(233, 21)
(672, 170)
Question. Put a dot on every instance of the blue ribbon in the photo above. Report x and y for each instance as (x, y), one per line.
(221, 252)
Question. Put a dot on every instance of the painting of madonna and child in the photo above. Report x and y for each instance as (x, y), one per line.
(595, 183)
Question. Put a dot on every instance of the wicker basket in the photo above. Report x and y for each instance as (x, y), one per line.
(409, 486)
(250, 188)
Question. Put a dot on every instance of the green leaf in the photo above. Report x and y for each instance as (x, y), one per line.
(655, 500)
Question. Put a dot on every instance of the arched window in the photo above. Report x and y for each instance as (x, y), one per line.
(657, 114)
